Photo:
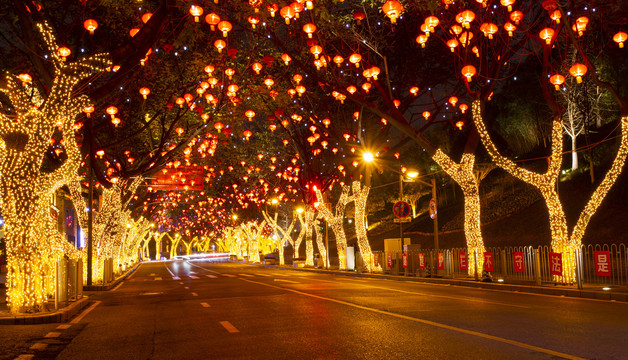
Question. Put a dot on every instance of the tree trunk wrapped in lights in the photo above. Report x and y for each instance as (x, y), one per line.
(562, 241)
(463, 175)
(253, 232)
(33, 245)
(308, 224)
(336, 222)
(284, 234)
(319, 241)
(360, 195)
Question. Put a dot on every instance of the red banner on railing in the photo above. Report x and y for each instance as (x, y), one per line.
(404, 260)
(488, 261)
(376, 259)
(441, 261)
(519, 264)
(421, 261)
(602, 263)
(556, 263)
(389, 261)
(462, 260)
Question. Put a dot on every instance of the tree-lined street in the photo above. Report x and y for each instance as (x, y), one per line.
(206, 310)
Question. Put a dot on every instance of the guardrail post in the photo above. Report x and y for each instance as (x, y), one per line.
(537, 266)
(475, 260)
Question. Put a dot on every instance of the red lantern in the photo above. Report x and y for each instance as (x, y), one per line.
(393, 10)
(578, 71)
(90, 25)
(468, 72)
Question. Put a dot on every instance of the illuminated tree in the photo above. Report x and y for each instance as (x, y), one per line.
(336, 220)
(32, 245)
(284, 234)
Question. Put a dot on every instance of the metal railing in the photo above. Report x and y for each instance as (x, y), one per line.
(594, 264)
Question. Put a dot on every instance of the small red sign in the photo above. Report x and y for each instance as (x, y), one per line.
(389, 260)
(421, 261)
(488, 261)
(441, 261)
(401, 209)
(462, 260)
(376, 260)
(517, 258)
(404, 259)
(556, 264)
(602, 263)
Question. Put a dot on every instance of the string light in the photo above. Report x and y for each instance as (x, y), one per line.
(463, 175)
(335, 221)
(32, 240)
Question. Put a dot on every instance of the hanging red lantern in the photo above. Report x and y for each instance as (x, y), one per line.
(392, 9)
(90, 25)
(578, 71)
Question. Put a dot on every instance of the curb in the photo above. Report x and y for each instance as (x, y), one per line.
(62, 315)
(114, 283)
(554, 291)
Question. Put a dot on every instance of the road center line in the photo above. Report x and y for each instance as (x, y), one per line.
(230, 328)
(171, 273)
(205, 305)
(80, 317)
(428, 322)
(286, 281)
(450, 297)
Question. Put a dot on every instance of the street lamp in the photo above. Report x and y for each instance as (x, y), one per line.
(412, 174)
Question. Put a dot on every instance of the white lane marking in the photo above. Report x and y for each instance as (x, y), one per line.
(246, 275)
(152, 274)
(264, 275)
(63, 326)
(171, 273)
(53, 334)
(286, 281)
(180, 282)
(187, 288)
(192, 272)
(428, 322)
(151, 293)
(38, 346)
(211, 276)
(25, 357)
(198, 266)
(228, 275)
(80, 317)
(193, 277)
(205, 305)
(176, 278)
(194, 294)
(157, 278)
(230, 328)
(117, 286)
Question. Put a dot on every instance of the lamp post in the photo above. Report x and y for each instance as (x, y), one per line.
(411, 176)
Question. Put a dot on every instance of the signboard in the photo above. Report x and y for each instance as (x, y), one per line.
(421, 261)
(433, 209)
(441, 261)
(390, 264)
(404, 260)
(517, 258)
(401, 209)
(488, 261)
(181, 178)
(402, 220)
(376, 259)
(602, 263)
(462, 260)
(556, 264)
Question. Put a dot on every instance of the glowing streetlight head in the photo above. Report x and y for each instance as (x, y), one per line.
(234, 217)
(274, 201)
(300, 210)
(368, 156)
(412, 174)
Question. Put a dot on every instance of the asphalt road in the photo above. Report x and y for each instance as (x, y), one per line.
(207, 310)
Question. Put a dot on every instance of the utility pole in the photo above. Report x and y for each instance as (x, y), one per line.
(401, 199)
(90, 210)
(435, 213)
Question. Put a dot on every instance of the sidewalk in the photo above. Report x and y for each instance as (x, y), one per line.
(60, 315)
(616, 292)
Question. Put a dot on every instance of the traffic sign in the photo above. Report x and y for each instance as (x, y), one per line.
(401, 209)
(402, 220)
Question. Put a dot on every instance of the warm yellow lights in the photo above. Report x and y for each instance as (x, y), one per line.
(32, 241)
(463, 174)
(335, 221)
(562, 242)
(368, 156)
